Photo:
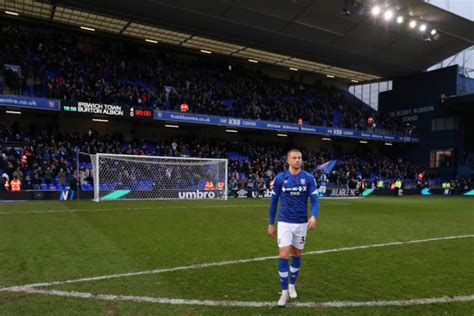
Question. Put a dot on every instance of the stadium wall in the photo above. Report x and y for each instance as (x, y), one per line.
(417, 101)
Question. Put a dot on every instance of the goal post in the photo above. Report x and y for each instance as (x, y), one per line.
(131, 177)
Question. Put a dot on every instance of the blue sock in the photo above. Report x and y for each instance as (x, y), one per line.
(283, 272)
(294, 269)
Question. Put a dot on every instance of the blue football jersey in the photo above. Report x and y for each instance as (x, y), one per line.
(293, 192)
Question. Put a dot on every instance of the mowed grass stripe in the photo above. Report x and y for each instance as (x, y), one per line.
(40, 247)
(429, 269)
(240, 261)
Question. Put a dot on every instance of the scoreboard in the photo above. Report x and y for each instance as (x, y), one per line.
(107, 110)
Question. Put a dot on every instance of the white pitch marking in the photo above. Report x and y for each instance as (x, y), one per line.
(127, 209)
(179, 301)
(229, 262)
(141, 208)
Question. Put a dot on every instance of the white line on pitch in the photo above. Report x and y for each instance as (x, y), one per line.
(127, 209)
(228, 262)
(179, 301)
(144, 208)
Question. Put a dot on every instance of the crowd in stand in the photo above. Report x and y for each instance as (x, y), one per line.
(79, 67)
(44, 159)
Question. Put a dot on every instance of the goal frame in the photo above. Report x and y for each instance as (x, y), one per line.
(95, 158)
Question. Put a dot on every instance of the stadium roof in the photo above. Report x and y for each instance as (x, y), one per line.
(309, 35)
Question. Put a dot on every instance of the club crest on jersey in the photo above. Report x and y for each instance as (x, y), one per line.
(285, 181)
(303, 181)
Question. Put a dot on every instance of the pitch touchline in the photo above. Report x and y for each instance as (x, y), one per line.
(143, 208)
(178, 301)
(229, 262)
(128, 209)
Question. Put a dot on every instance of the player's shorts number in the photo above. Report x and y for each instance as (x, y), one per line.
(290, 234)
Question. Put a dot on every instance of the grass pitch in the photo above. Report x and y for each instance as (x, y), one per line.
(58, 241)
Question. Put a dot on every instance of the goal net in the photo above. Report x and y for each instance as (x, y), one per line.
(129, 177)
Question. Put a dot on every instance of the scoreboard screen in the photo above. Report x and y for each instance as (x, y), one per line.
(108, 110)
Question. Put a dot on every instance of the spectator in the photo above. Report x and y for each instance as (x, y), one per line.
(79, 67)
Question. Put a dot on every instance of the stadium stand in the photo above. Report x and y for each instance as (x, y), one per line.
(72, 66)
(49, 162)
(77, 67)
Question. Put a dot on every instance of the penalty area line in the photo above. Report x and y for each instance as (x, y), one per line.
(153, 208)
(238, 261)
(125, 209)
(180, 301)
